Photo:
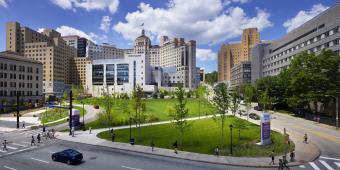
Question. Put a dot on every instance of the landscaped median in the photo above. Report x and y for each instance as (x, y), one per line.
(203, 136)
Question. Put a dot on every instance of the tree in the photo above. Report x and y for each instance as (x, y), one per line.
(234, 102)
(248, 96)
(108, 103)
(200, 92)
(65, 96)
(240, 125)
(179, 114)
(221, 101)
(139, 107)
(211, 78)
(265, 100)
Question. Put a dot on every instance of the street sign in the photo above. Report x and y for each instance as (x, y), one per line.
(265, 129)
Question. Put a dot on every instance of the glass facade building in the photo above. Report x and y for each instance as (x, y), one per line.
(97, 74)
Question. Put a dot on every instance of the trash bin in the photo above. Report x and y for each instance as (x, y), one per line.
(132, 141)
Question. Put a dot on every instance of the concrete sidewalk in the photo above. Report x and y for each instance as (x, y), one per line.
(304, 152)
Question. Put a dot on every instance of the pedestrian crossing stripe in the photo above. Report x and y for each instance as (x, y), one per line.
(324, 163)
(17, 144)
(302, 166)
(11, 147)
(314, 165)
(337, 164)
(3, 151)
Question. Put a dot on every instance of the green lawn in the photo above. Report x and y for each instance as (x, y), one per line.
(203, 136)
(58, 113)
(156, 110)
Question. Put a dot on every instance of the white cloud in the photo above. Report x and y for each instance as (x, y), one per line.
(303, 16)
(3, 3)
(187, 19)
(40, 30)
(66, 30)
(88, 5)
(228, 2)
(105, 24)
(205, 54)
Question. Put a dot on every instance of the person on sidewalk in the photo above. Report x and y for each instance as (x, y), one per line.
(38, 138)
(217, 151)
(90, 129)
(285, 162)
(23, 125)
(152, 145)
(32, 141)
(305, 138)
(113, 137)
(4, 145)
(272, 156)
(72, 131)
(280, 165)
(44, 128)
(292, 155)
(175, 145)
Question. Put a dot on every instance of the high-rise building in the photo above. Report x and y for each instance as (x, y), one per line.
(47, 47)
(22, 76)
(240, 74)
(103, 51)
(232, 54)
(77, 42)
(321, 32)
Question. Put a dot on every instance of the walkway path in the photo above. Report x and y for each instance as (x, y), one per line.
(304, 152)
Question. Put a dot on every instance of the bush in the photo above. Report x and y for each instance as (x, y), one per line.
(154, 95)
(161, 96)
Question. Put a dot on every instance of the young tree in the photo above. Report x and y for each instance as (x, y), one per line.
(221, 101)
(200, 92)
(234, 102)
(265, 100)
(248, 96)
(139, 107)
(240, 125)
(108, 103)
(179, 114)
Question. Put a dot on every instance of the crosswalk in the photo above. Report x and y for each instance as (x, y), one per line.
(15, 145)
(323, 163)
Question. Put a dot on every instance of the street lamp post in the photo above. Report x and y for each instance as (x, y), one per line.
(130, 128)
(231, 139)
(83, 116)
(337, 113)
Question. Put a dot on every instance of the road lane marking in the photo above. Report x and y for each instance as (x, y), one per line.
(3, 151)
(324, 163)
(337, 164)
(7, 167)
(18, 151)
(26, 142)
(323, 157)
(39, 160)
(130, 168)
(314, 166)
(17, 144)
(302, 166)
(11, 147)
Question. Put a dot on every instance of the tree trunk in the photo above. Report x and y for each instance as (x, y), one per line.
(239, 135)
(222, 134)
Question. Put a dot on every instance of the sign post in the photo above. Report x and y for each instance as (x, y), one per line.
(265, 129)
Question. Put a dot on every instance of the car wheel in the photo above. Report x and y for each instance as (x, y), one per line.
(68, 162)
(54, 158)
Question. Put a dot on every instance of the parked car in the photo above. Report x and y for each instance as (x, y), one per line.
(69, 156)
(254, 116)
(244, 113)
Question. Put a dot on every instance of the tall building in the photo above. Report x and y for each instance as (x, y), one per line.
(77, 42)
(321, 32)
(22, 76)
(47, 47)
(240, 74)
(232, 54)
(103, 51)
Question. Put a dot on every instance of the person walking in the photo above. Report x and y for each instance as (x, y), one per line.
(152, 145)
(4, 145)
(217, 151)
(284, 163)
(23, 124)
(113, 137)
(32, 141)
(44, 128)
(72, 131)
(272, 156)
(90, 128)
(38, 138)
(280, 165)
(175, 145)
(305, 138)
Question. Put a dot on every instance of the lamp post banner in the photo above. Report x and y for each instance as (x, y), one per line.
(265, 129)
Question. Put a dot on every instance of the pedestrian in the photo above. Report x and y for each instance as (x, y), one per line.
(53, 132)
(23, 124)
(175, 145)
(113, 137)
(111, 130)
(285, 162)
(152, 145)
(72, 131)
(292, 155)
(305, 138)
(4, 145)
(90, 128)
(272, 156)
(38, 138)
(280, 165)
(33, 141)
(44, 128)
(217, 151)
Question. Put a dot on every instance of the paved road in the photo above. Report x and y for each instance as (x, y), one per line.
(100, 158)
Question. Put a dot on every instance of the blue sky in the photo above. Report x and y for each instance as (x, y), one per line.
(209, 22)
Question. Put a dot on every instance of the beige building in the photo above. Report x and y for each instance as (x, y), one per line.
(22, 76)
(47, 47)
(79, 70)
(232, 54)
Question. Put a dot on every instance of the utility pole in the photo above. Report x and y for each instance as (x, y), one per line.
(70, 116)
(18, 110)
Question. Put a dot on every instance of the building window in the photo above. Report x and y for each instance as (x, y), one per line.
(97, 74)
(122, 73)
(110, 71)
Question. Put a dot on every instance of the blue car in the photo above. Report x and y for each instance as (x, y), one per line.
(69, 156)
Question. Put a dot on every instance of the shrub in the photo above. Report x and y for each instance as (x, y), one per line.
(154, 95)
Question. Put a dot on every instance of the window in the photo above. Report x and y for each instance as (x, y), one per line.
(110, 71)
(97, 74)
(122, 73)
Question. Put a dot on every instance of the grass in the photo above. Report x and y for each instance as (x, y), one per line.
(58, 113)
(203, 136)
(156, 110)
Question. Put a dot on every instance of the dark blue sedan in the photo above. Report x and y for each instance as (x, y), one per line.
(69, 156)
